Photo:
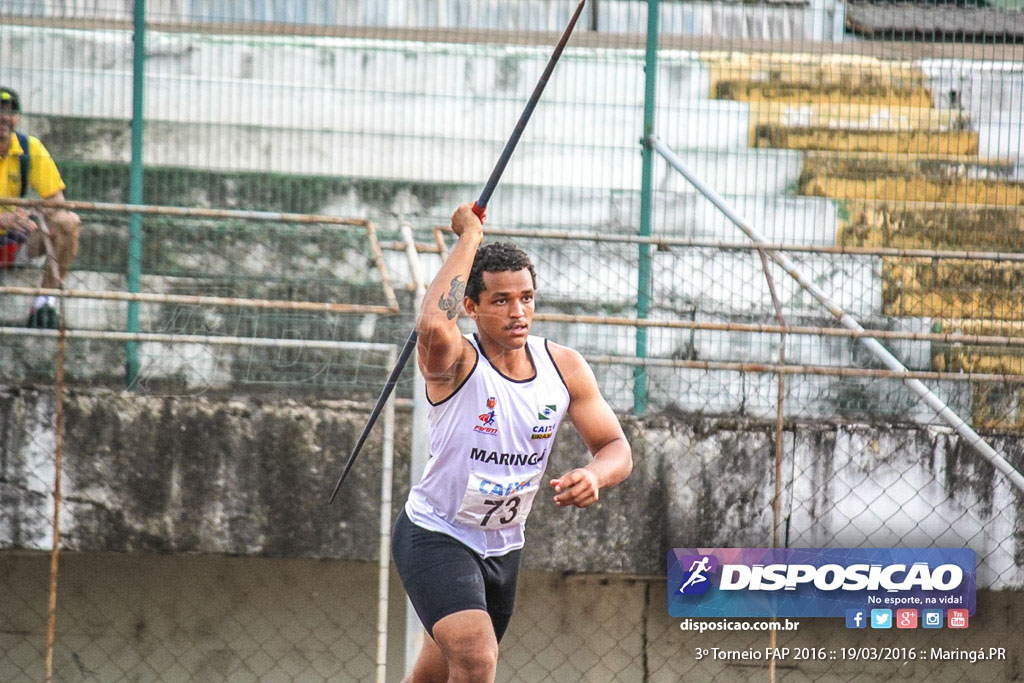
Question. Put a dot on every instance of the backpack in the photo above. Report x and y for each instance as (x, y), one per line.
(24, 162)
(10, 241)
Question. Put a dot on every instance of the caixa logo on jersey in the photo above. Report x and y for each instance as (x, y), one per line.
(817, 582)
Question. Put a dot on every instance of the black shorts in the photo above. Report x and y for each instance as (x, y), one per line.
(443, 576)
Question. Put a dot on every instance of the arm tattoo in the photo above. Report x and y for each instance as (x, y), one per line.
(453, 300)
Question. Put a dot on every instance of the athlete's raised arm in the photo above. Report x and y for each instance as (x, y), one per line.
(439, 342)
(601, 432)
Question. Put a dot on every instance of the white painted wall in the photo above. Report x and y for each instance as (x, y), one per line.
(992, 92)
(815, 20)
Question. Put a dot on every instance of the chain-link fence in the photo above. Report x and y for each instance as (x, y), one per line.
(129, 519)
(871, 150)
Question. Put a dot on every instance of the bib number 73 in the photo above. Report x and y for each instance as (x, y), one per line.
(497, 503)
(511, 509)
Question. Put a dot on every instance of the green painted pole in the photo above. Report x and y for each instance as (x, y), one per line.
(643, 290)
(134, 266)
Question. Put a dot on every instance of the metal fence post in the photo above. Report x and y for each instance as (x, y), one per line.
(420, 446)
(643, 288)
(134, 266)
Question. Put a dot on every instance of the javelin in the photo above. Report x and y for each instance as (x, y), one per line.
(479, 207)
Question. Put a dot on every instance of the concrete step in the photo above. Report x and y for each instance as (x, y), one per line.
(954, 288)
(993, 358)
(781, 220)
(689, 280)
(862, 128)
(788, 220)
(807, 78)
(557, 123)
(730, 168)
(734, 282)
(929, 166)
(196, 366)
(78, 313)
(685, 280)
(997, 406)
(921, 178)
(748, 347)
(852, 140)
(991, 93)
(993, 405)
(829, 68)
(235, 77)
(806, 397)
(756, 394)
(103, 314)
(927, 225)
(846, 116)
(177, 367)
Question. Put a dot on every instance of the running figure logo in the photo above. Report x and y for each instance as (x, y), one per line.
(488, 417)
(487, 425)
(697, 567)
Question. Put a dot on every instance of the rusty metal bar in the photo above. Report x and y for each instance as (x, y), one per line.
(186, 212)
(419, 450)
(420, 247)
(668, 243)
(384, 546)
(102, 335)
(662, 243)
(378, 257)
(277, 304)
(58, 464)
(439, 234)
(951, 338)
(827, 370)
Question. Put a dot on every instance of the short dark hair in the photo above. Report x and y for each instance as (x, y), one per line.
(499, 257)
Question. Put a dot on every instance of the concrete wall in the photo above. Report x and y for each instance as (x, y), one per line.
(250, 476)
(187, 618)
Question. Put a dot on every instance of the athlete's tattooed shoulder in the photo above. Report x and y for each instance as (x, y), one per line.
(451, 302)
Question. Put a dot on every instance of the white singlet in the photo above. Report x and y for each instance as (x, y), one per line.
(489, 446)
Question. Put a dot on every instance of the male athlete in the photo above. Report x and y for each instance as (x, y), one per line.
(497, 398)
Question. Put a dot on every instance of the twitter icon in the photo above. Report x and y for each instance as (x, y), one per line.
(881, 618)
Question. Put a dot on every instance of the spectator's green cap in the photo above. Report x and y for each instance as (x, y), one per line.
(9, 99)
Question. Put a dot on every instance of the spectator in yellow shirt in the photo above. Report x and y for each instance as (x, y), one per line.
(16, 224)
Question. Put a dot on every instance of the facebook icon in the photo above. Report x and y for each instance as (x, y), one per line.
(856, 618)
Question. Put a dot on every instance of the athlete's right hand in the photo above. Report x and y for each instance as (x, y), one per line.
(464, 220)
